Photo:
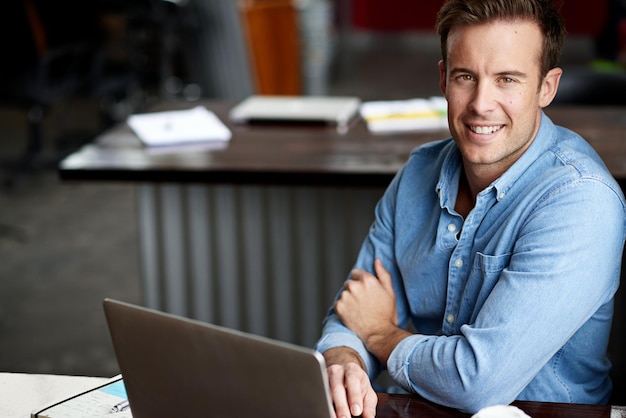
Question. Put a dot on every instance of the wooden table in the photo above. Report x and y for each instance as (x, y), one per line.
(304, 155)
(275, 154)
(260, 234)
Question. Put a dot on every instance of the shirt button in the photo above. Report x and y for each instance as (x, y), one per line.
(458, 263)
(450, 319)
(501, 195)
(452, 227)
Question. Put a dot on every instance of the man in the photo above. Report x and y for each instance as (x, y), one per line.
(501, 246)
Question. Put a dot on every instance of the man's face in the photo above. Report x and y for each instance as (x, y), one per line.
(494, 92)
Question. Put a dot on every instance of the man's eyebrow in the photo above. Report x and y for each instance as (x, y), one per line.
(460, 70)
(513, 73)
(506, 73)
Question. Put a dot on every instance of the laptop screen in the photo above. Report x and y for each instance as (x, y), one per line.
(175, 366)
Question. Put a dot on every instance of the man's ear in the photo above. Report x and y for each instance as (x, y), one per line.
(442, 77)
(549, 86)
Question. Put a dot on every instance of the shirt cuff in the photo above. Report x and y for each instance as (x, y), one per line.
(400, 359)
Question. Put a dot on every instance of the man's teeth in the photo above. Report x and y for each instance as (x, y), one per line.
(485, 129)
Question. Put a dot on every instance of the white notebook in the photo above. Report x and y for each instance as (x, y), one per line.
(176, 127)
(336, 110)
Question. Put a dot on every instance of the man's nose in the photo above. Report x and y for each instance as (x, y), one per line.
(483, 98)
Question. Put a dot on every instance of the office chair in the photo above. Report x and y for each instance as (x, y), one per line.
(47, 60)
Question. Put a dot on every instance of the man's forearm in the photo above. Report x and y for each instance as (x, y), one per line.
(382, 344)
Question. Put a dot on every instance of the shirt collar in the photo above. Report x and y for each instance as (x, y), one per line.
(543, 141)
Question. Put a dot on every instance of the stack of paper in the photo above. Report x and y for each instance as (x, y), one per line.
(405, 115)
(197, 125)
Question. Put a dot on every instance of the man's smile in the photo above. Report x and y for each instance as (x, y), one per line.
(485, 130)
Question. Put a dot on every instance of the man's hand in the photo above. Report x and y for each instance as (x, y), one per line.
(350, 386)
(367, 306)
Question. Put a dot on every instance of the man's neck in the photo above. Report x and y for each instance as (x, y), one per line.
(465, 199)
(471, 182)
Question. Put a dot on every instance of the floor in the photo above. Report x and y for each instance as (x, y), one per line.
(66, 246)
(63, 248)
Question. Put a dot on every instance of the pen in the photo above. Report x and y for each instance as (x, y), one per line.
(120, 406)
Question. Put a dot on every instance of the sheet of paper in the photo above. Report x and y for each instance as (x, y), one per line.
(405, 115)
(176, 127)
(96, 403)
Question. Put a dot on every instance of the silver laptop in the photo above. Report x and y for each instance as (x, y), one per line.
(337, 110)
(178, 367)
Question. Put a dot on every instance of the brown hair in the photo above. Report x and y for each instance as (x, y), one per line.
(475, 12)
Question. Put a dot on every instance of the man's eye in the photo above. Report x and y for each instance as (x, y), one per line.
(466, 77)
(507, 80)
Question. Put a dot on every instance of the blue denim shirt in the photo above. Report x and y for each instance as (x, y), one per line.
(516, 300)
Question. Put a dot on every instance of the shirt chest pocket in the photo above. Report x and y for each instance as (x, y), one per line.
(485, 273)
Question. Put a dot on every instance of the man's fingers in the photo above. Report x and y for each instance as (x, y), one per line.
(369, 408)
(359, 274)
(361, 396)
(351, 391)
(338, 391)
(354, 388)
(383, 275)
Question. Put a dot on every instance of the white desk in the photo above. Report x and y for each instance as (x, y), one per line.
(21, 393)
